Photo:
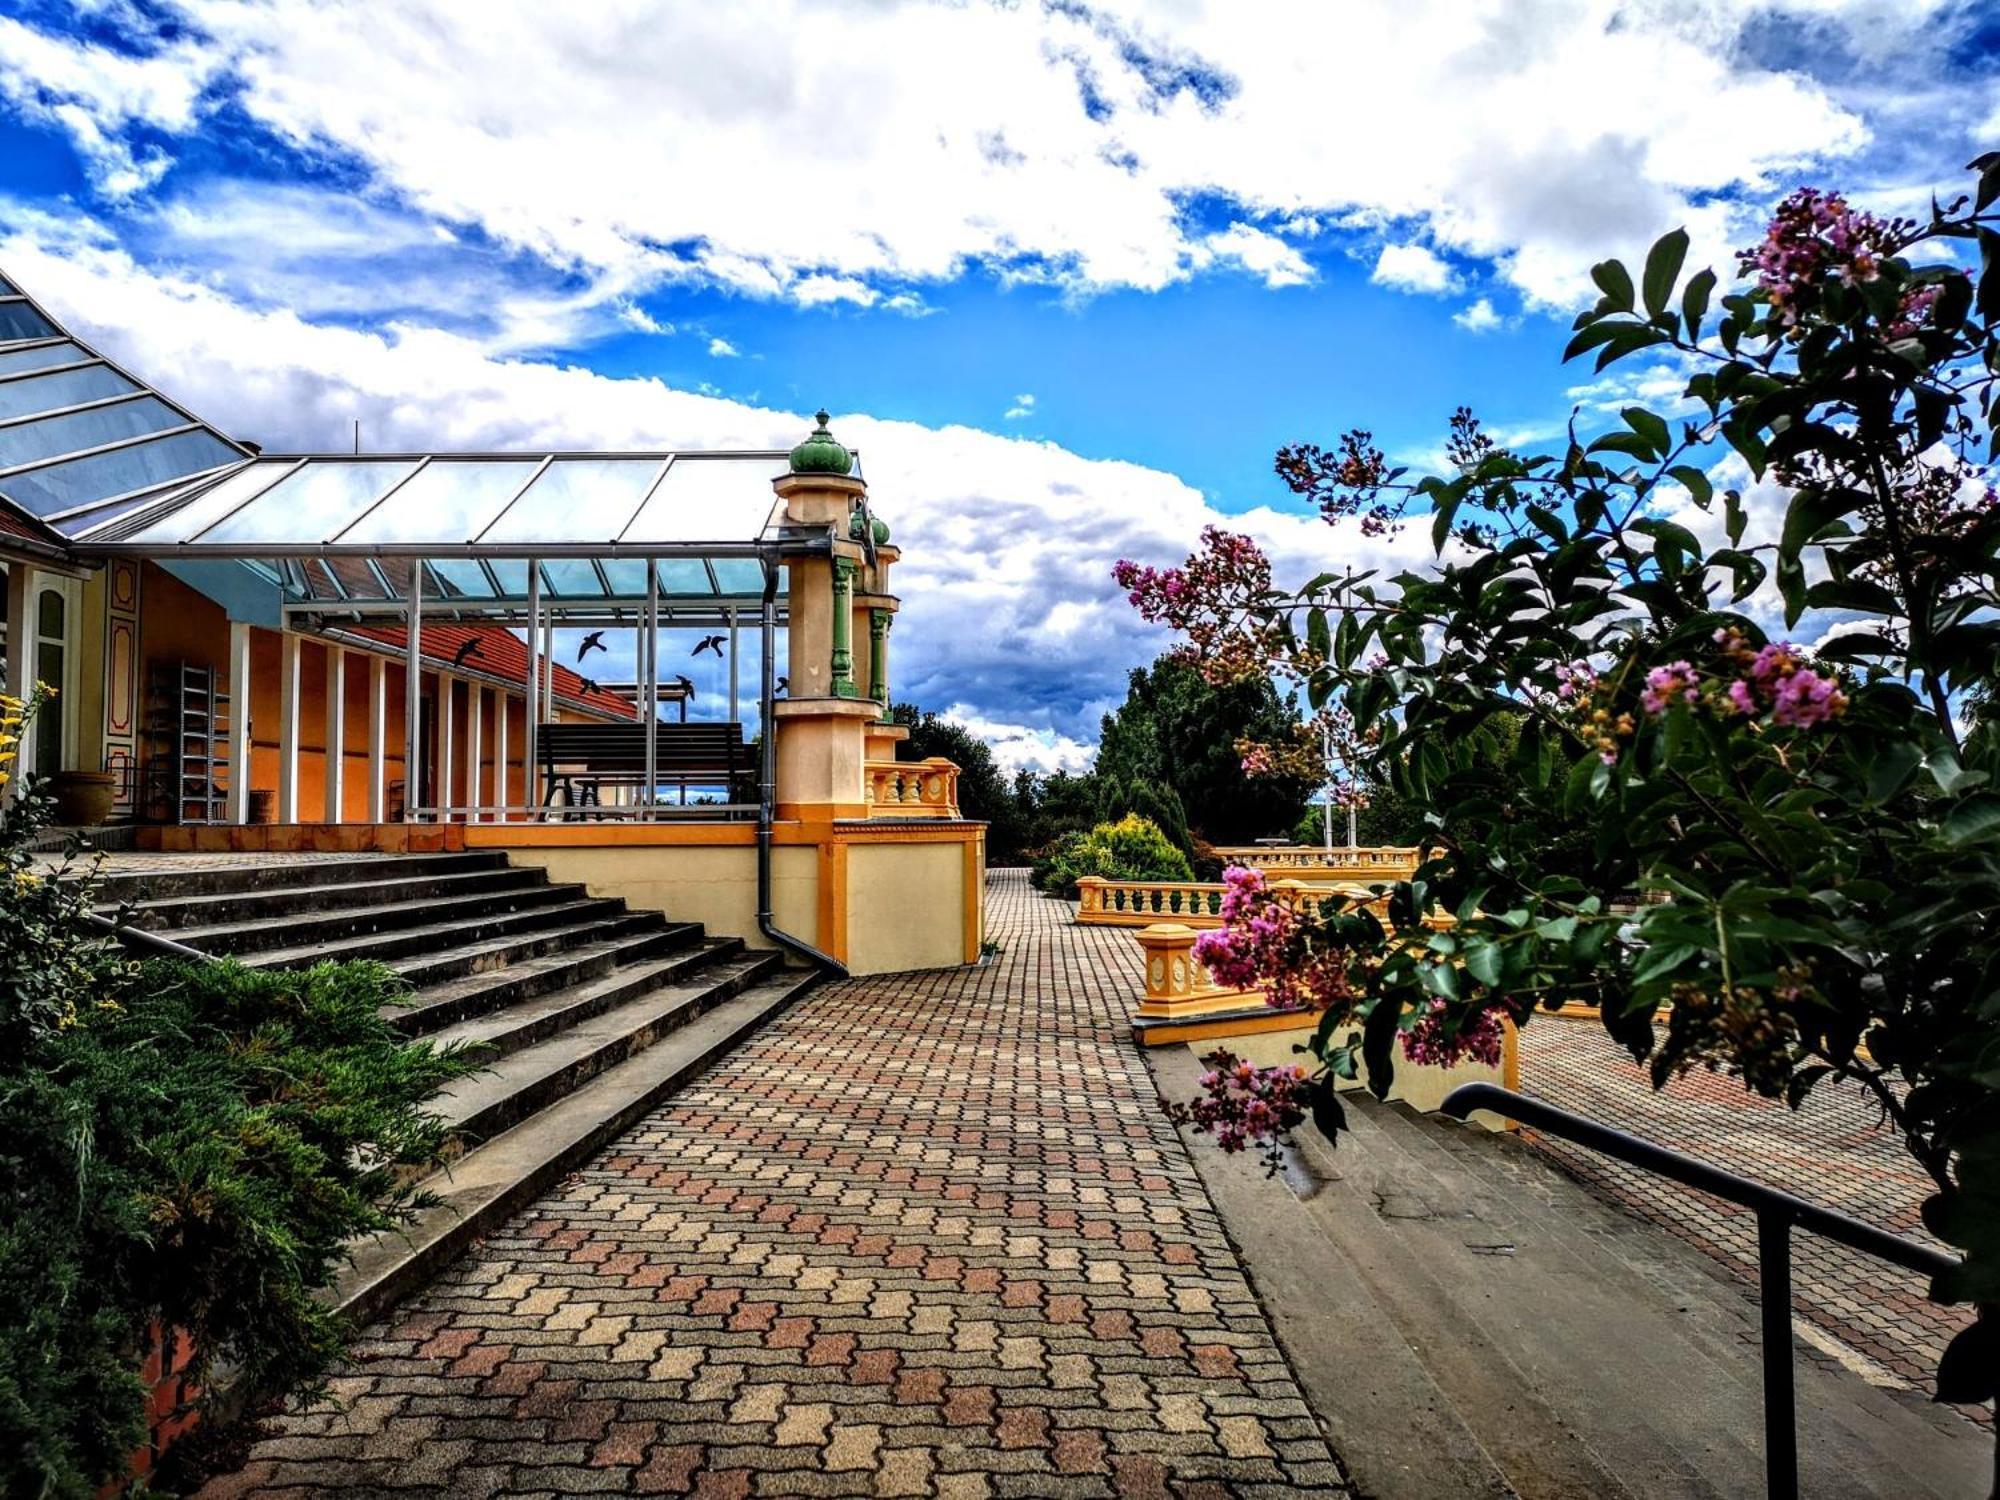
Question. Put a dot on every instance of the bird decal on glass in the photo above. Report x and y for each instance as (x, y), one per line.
(709, 643)
(783, 683)
(592, 642)
(686, 685)
(468, 649)
(589, 686)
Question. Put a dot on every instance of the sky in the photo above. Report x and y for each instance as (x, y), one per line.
(1066, 274)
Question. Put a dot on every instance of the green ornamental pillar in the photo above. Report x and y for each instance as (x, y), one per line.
(878, 657)
(843, 628)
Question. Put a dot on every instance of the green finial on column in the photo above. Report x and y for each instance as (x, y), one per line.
(843, 628)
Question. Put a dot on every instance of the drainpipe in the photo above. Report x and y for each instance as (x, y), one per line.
(767, 783)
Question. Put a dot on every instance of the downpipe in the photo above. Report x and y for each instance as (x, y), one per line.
(767, 784)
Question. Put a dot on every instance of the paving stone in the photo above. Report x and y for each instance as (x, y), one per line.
(922, 1235)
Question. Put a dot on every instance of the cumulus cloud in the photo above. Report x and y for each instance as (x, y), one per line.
(1479, 317)
(1412, 268)
(721, 348)
(1120, 145)
(1023, 407)
(1024, 747)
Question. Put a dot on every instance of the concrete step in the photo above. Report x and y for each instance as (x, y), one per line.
(487, 955)
(483, 1187)
(499, 1033)
(219, 909)
(482, 990)
(523, 1081)
(169, 880)
(445, 943)
(308, 927)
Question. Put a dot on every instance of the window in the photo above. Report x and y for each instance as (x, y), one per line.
(51, 659)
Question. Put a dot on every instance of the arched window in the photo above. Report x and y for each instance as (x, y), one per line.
(51, 663)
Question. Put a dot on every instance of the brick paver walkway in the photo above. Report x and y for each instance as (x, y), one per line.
(1833, 1150)
(924, 1235)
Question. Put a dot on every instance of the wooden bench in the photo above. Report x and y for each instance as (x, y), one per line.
(580, 759)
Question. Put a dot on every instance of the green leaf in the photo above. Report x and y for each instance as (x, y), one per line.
(1663, 269)
(1988, 295)
(1650, 427)
(1695, 482)
(1319, 639)
(1969, 1373)
(1328, 1117)
(1694, 301)
(1484, 962)
(1972, 819)
(1615, 282)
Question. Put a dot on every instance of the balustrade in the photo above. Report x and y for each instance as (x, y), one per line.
(913, 788)
(1196, 905)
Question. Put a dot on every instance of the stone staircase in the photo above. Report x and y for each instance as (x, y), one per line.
(1471, 1324)
(587, 1014)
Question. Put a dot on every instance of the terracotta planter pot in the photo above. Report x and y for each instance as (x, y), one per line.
(83, 798)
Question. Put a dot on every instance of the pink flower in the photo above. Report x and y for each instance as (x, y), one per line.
(1240, 1105)
(1665, 686)
(1434, 1041)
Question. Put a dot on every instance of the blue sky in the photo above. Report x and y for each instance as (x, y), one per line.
(1068, 273)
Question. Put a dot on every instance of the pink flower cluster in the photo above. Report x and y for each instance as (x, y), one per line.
(1257, 761)
(1575, 680)
(1434, 1041)
(1241, 1105)
(1210, 599)
(1812, 235)
(1255, 933)
(1676, 682)
(1797, 696)
(1348, 481)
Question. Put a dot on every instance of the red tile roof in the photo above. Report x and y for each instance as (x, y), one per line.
(13, 523)
(501, 654)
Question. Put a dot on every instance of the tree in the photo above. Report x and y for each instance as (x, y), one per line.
(1819, 827)
(1178, 729)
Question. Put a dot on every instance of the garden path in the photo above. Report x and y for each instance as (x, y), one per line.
(925, 1234)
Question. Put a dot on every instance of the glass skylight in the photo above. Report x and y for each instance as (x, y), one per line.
(60, 388)
(84, 481)
(41, 357)
(20, 321)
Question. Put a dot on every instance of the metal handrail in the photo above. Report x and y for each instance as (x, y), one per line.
(146, 942)
(1777, 1211)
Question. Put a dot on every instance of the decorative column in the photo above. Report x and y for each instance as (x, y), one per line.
(239, 722)
(336, 735)
(878, 657)
(843, 624)
(378, 740)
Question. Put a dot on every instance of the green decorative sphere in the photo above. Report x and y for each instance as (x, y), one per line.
(881, 528)
(820, 454)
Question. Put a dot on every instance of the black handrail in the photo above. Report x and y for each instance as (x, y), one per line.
(150, 943)
(1776, 1211)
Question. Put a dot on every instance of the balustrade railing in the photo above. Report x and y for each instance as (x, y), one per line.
(912, 788)
(1311, 862)
(1197, 904)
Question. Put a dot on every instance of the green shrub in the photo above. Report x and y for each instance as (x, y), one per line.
(1130, 849)
(182, 1146)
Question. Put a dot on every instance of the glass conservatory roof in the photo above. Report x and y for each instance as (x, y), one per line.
(595, 508)
(81, 441)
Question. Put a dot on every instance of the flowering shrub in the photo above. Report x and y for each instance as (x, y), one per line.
(1241, 1105)
(1795, 848)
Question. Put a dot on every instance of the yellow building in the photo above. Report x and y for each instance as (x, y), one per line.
(232, 632)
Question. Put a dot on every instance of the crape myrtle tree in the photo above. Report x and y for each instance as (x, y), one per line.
(1795, 849)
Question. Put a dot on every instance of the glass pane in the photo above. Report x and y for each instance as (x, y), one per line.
(141, 466)
(312, 505)
(709, 500)
(450, 500)
(7, 288)
(54, 436)
(49, 615)
(22, 398)
(627, 575)
(218, 500)
(513, 575)
(49, 724)
(457, 577)
(20, 321)
(573, 576)
(16, 360)
(740, 575)
(578, 500)
(684, 576)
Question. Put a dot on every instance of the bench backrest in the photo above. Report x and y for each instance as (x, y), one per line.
(677, 748)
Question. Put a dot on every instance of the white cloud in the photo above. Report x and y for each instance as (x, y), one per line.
(1263, 254)
(1023, 747)
(1084, 147)
(1479, 317)
(1412, 268)
(1023, 407)
(1009, 607)
(721, 348)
